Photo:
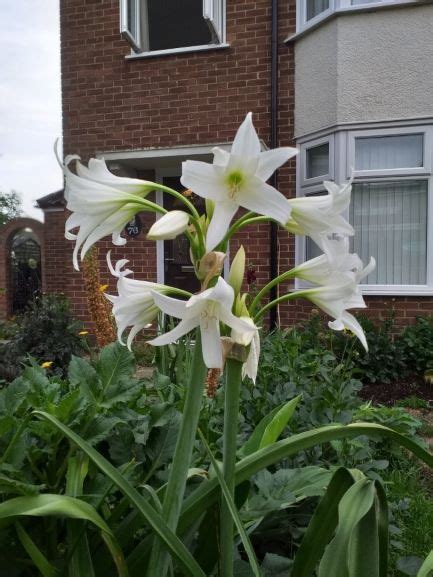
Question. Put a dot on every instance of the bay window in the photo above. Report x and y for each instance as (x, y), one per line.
(392, 203)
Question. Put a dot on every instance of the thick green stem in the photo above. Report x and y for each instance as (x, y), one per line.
(160, 558)
(231, 418)
(277, 280)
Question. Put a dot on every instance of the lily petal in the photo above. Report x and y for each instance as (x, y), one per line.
(270, 160)
(265, 199)
(222, 216)
(246, 142)
(183, 328)
(206, 180)
(170, 306)
(211, 343)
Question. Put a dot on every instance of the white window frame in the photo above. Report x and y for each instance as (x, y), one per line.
(214, 13)
(336, 6)
(304, 148)
(390, 172)
(344, 157)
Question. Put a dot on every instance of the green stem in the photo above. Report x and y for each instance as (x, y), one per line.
(160, 558)
(277, 280)
(243, 221)
(231, 418)
(274, 303)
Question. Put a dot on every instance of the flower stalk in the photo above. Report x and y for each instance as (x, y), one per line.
(231, 417)
(175, 490)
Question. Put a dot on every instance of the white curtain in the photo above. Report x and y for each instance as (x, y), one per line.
(390, 221)
(318, 160)
(385, 152)
(315, 7)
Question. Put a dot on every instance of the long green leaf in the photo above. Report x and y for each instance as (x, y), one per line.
(79, 560)
(279, 422)
(234, 512)
(426, 568)
(252, 444)
(355, 504)
(172, 542)
(208, 492)
(365, 537)
(63, 506)
(383, 528)
(322, 525)
(36, 555)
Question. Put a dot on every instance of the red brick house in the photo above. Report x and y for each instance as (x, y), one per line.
(347, 81)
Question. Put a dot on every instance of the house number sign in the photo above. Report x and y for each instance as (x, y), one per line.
(134, 227)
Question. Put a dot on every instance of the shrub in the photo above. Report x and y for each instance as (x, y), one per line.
(46, 331)
(416, 342)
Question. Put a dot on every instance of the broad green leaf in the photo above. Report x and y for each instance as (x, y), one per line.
(35, 554)
(234, 512)
(426, 568)
(279, 422)
(173, 543)
(115, 362)
(207, 493)
(14, 395)
(82, 374)
(322, 525)
(354, 505)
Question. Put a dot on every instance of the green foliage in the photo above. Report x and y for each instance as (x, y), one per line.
(417, 347)
(46, 331)
(10, 206)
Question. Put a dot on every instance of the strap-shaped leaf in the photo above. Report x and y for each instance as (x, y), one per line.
(175, 546)
(365, 537)
(35, 554)
(426, 568)
(63, 506)
(270, 427)
(208, 492)
(234, 512)
(383, 528)
(355, 504)
(322, 525)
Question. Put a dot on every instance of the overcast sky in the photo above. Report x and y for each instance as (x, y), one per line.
(30, 106)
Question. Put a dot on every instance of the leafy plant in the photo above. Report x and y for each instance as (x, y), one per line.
(416, 342)
(47, 332)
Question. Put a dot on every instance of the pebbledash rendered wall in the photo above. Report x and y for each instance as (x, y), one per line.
(111, 103)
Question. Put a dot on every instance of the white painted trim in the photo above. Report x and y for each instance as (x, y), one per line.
(337, 7)
(186, 150)
(344, 140)
(317, 180)
(171, 51)
(424, 170)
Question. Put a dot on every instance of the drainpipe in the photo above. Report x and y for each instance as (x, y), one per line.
(273, 244)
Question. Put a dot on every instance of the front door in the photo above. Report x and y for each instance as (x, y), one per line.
(178, 269)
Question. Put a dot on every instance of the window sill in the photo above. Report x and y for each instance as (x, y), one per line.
(174, 51)
(380, 290)
(327, 16)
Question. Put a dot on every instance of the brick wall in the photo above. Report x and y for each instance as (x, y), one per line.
(111, 103)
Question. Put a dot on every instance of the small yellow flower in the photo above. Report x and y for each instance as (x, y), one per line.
(83, 333)
(46, 364)
(103, 288)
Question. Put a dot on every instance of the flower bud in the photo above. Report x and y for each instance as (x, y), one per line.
(237, 271)
(211, 266)
(169, 226)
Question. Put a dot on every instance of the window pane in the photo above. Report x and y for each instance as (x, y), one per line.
(318, 161)
(390, 222)
(356, 2)
(132, 18)
(174, 24)
(315, 7)
(381, 152)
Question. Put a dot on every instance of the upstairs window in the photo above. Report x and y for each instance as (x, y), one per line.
(315, 7)
(153, 26)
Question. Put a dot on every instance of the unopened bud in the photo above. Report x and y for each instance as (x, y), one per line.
(237, 271)
(169, 226)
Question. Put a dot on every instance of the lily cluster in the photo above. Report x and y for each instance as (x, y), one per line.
(102, 203)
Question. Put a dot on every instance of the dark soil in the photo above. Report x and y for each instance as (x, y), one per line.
(389, 393)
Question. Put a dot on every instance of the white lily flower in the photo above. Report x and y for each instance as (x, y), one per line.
(205, 310)
(134, 305)
(320, 216)
(169, 226)
(250, 367)
(238, 179)
(335, 299)
(101, 203)
(339, 261)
